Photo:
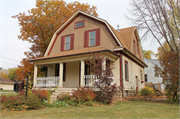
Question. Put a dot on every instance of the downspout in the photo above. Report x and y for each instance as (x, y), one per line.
(122, 79)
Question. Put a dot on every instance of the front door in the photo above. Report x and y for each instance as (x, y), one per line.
(136, 84)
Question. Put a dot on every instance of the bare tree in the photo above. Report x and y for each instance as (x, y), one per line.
(159, 18)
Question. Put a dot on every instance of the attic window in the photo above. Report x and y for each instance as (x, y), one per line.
(79, 24)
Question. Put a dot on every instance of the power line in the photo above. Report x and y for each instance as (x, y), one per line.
(9, 58)
(10, 63)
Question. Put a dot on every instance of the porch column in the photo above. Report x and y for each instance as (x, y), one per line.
(35, 76)
(60, 75)
(103, 64)
(82, 73)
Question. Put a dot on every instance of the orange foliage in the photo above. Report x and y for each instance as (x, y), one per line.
(41, 23)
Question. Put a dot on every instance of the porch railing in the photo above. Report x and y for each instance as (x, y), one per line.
(47, 81)
(89, 80)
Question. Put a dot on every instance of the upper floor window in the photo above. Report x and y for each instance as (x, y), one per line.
(134, 47)
(67, 42)
(92, 38)
(126, 71)
(79, 24)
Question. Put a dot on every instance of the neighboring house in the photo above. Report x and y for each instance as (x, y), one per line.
(150, 72)
(83, 33)
(6, 84)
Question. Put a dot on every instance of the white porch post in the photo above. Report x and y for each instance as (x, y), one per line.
(35, 76)
(82, 73)
(103, 64)
(60, 75)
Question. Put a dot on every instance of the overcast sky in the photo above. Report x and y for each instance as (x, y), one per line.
(12, 49)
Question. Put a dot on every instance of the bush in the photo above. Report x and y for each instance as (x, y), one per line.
(83, 95)
(42, 94)
(19, 102)
(59, 104)
(64, 97)
(33, 102)
(147, 91)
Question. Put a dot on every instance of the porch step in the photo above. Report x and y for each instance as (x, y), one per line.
(59, 91)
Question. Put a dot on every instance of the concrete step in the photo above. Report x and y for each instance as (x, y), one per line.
(66, 89)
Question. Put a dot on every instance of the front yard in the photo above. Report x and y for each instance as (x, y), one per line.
(125, 109)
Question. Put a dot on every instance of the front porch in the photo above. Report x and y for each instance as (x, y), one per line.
(67, 74)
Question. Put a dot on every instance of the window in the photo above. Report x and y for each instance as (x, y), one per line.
(137, 49)
(92, 38)
(79, 24)
(126, 71)
(145, 77)
(67, 42)
(141, 75)
(134, 47)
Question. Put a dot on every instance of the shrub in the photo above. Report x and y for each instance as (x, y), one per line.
(19, 102)
(33, 102)
(64, 97)
(83, 95)
(147, 91)
(59, 104)
(42, 94)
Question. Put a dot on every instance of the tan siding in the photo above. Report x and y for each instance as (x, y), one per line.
(106, 40)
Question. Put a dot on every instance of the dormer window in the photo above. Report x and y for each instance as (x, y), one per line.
(79, 24)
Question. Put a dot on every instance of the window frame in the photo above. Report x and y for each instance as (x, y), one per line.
(134, 46)
(68, 43)
(79, 22)
(93, 38)
(126, 78)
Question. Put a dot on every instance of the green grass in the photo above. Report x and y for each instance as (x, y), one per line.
(6, 91)
(8, 94)
(135, 109)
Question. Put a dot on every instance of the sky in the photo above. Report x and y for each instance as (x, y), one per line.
(12, 49)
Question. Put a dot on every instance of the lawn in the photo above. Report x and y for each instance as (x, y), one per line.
(6, 91)
(125, 109)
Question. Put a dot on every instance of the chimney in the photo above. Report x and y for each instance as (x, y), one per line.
(118, 27)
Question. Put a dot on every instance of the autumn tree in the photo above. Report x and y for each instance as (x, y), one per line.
(104, 74)
(41, 22)
(147, 53)
(8, 73)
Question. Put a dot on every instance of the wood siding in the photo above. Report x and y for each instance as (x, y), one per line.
(106, 39)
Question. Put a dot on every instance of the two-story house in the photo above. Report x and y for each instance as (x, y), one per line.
(81, 34)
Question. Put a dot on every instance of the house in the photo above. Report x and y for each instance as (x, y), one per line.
(150, 73)
(6, 84)
(83, 33)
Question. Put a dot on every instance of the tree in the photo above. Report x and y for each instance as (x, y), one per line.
(160, 52)
(41, 23)
(104, 74)
(170, 73)
(158, 18)
(147, 53)
(8, 73)
(4, 73)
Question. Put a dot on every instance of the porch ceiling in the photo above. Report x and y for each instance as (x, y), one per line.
(74, 55)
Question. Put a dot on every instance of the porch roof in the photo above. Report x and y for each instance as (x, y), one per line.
(75, 52)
